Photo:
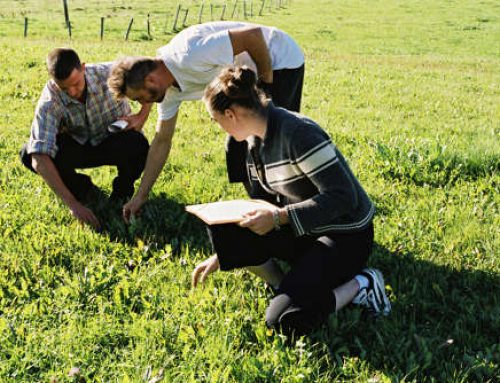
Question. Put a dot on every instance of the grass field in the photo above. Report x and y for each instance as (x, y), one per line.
(409, 91)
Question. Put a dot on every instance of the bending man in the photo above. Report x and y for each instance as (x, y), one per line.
(190, 62)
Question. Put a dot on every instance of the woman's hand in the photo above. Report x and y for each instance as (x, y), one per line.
(259, 221)
(205, 268)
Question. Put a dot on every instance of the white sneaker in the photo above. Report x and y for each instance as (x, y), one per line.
(373, 297)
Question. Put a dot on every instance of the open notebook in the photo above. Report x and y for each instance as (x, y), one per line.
(215, 213)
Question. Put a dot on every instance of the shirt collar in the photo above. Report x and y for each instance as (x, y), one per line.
(271, 111)
(254, 141)
(170, 65)
(65, 99)
(91, 80)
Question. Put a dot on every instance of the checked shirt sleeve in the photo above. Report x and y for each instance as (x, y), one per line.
(317, 158)
(44, 129)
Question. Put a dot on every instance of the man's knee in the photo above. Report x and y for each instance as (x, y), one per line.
(137, 144)
(130, 151)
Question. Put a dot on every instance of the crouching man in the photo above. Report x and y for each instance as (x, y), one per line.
(70, 130)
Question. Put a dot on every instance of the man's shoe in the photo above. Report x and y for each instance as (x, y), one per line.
(373, 297)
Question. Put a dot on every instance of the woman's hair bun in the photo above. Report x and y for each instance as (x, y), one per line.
(235, 85)
(245, 76)
(240, 82)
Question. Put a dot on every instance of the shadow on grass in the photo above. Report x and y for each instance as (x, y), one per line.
(163, 222)
(444, 325)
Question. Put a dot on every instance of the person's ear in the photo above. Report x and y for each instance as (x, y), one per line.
(229, 113)
(82, 67)
(149, 80)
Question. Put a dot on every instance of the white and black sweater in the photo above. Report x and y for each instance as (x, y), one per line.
(298, 166)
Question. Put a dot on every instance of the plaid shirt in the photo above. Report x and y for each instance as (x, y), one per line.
(56, 113)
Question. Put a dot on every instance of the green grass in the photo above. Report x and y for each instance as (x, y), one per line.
(409, 92)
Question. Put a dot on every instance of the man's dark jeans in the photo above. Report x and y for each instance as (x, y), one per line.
(125, 150)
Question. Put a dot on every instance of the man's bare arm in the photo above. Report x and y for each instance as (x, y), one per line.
(44, 166)
(251, 40)
(157, 157)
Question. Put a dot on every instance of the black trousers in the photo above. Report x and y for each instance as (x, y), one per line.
(125, 150)
(318, 265)
(286, 93)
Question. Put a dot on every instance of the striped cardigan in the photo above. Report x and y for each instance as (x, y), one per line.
(298, 166)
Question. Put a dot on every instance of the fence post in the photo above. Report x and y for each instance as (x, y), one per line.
(149, 27)
(245, 9)
(200, 14)
(185, 17)
(262, 7)
(234, 8)
(102, 28)
(223, 11)
(25, 26)
(174, 27)
(66, 13)
(129, 28)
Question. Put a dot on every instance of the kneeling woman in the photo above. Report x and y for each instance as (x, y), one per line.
(322, 224)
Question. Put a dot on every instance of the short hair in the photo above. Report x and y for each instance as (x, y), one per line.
(129, 72)
(61, 62)
(235, 85)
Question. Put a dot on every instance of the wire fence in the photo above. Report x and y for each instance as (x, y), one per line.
(122, 19)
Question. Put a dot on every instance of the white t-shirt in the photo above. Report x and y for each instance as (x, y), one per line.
(197, 55)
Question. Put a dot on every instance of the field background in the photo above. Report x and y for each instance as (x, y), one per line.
(409, 91)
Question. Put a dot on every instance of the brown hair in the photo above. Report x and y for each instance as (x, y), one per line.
(235, 85)
(61, 62)
(129, 72)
